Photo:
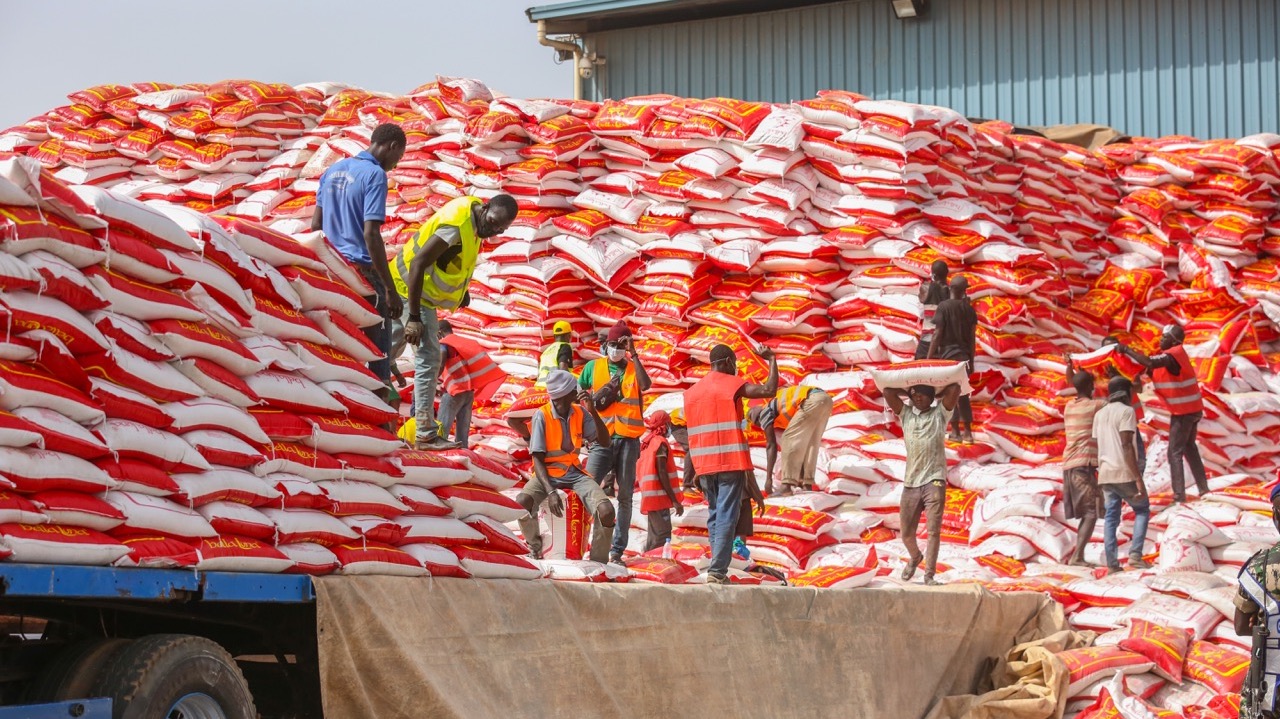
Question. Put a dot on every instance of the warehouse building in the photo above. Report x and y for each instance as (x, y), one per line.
(1206, 68)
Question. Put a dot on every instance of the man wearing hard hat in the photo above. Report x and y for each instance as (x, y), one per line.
(557, 355)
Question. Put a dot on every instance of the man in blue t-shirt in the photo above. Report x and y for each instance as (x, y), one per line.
(351, 206)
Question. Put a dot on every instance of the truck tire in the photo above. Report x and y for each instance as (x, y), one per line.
(74, 671)
(175, 676)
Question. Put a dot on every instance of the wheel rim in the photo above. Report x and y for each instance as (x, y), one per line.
(196, 706)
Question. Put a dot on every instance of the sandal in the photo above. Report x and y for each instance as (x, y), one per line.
(909, 571)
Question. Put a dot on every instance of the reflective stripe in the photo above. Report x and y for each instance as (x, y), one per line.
(625, 418)
(709, 428)
(1176, 385)
(442, 287)
(557, 461)
(548, 362)
(718, 448)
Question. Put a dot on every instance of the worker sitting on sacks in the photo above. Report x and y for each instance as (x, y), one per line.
(617, 383)
(557, 355)
(924, 486)
(1174, 380)
(1081, 497)
(932, 292)
(796, 418)
(557, 434)
(719, 451)
(470, 376)
(955, 339)
(432, 273)
(655, 472)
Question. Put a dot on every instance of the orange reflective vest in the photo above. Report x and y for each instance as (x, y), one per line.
(788, 403)
(557, 460)
(624, 418)
(1181, 391)
(716, 440)
(470, 369)
(653, 498)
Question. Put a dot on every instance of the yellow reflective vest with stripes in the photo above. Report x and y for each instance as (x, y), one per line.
(442, 287)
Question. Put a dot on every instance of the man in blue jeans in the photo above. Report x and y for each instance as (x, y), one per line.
(351, 206)
(1115, 428)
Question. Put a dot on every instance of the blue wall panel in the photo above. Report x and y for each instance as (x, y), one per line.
(1206, 68)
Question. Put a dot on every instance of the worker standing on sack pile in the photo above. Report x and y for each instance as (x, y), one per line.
(680, 433)
(1257, 613)
(470, 376)
(432, 273)
(1135, 401)
(955, 339)
(932, 292)
(924, 486)
(720, 454)
(617, 383)
(656, 470)
(1174, 380)
(557, 355)
(796, 419)
(557, 435)
(1080, 493)
(1114, 429)
(351, 205)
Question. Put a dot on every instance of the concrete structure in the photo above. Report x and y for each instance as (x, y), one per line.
(1207, 68)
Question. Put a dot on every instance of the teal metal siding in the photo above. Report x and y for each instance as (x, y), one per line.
(1206, 68)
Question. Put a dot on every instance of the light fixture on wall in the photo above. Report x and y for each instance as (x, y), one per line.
(908, 8)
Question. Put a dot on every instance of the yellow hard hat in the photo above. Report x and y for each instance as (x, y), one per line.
(562, 328)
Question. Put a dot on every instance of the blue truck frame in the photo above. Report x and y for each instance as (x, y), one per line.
(269, 618)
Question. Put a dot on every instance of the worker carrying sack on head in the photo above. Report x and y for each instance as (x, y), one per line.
(432, 273)
(924, 485)
(617, 383)
(796, 419)
(557, 434)
(1174, 380)
(719, 451)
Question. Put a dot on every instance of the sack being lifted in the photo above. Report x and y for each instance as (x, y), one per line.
(934, 373)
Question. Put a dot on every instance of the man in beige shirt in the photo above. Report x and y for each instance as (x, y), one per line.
(1081, 498)
(1115, 429)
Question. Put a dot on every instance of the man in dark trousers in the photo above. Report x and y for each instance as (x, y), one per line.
(924, 486)
(1080, 492)
(1174, 381)
(719, 451)
(618, 382)
(932, 292)
(351, 205)
(955, 339)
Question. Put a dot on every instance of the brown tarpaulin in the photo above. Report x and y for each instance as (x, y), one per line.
(448, 648)
(1032, 683)
(1090, 137)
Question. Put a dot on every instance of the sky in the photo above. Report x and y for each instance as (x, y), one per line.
(53, 47)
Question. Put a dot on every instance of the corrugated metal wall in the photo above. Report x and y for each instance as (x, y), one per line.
(1206, 68)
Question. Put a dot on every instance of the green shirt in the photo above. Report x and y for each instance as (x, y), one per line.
(586, 380)
(924, 434)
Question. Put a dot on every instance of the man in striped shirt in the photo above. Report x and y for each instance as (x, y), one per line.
(1080, 460)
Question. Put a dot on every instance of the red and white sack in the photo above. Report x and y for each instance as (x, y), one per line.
(374, 558)
(488, 564)
(55, 544)
(144, 513)
(933, 373)
(309, 558)
(437, 560)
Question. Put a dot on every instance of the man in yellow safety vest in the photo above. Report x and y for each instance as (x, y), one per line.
(432, 273)
(557, 355)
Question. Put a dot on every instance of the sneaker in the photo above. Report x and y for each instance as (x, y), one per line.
(436, 444)
(616, 559)
(1114, 569)
(1139, 563)
(716, 579)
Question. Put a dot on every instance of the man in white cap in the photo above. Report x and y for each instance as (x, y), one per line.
(557, 433)
(1174, 380)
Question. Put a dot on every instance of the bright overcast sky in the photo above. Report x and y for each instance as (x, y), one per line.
(53, 47)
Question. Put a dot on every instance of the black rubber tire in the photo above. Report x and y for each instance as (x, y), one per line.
(74, 671)
(146, 679)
